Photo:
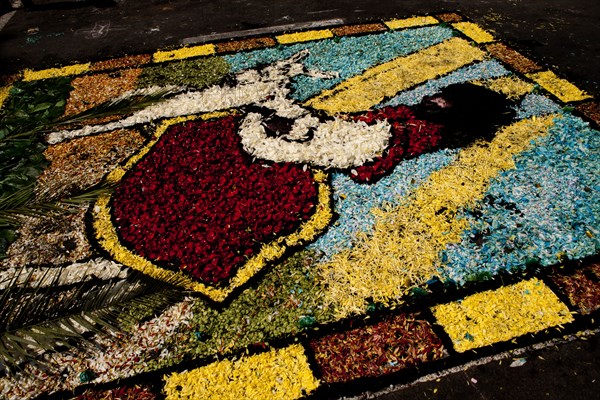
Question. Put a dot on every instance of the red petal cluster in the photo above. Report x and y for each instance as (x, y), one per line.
(396, 343)
(197, 203)
(410, 137)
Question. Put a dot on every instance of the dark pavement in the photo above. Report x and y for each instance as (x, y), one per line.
(561, 34)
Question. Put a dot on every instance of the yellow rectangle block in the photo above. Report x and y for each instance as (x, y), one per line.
(280, 374)
(502, 314)
(77, 69)
(510, 86)
(411, 22)
(561, 88)
(362, 92)
(4, 91)
(185, 52)
(304, 36)
(474, 32)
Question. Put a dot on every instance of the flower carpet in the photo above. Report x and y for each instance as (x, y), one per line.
(309, 214)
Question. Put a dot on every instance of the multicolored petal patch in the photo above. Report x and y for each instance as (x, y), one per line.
(335, 208)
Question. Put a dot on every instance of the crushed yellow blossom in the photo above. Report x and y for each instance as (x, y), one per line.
(304, 36)
(411, 22)
(4, 92)
(402, 249)
(279, 374)
(561, 88)
(77, 69)
(510, 86)
(474, 31)
(109, 240)
(502, 314)
(185, 52)
(362, 92)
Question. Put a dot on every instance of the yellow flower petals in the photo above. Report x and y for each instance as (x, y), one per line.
(77, 69)
(411, 22)
(561, 88)
(4, 92)
(510, 86)
(280, 374)
(403, 248)
(185, 52)
(474, 32)
(304, 36)
(503, 314)
(362, 92)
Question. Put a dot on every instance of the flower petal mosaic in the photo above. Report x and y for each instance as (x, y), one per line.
(307, 210)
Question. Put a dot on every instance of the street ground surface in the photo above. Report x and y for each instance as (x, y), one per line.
(560, 34)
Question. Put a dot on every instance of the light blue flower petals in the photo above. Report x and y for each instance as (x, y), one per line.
(544, 210)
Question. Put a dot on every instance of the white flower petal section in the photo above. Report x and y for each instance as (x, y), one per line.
(336, 143)
(268, 86)
(212, 99)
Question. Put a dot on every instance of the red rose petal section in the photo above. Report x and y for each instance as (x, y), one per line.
(197, 203)
(410, 137)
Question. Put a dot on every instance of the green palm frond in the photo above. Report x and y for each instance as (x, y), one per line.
(39, 318)
(26, 203)
(121, 106)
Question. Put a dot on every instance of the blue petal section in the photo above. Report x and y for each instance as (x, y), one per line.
(353, 201)
(349, 55)
(535, 104)
(545, 209)
(482, 70)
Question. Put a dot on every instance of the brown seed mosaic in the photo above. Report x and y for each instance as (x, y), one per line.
(91, 90)
(246, 44)
(388, 346)
(582, 287)
(513, 58)
(123, 62)
(356, 29)
(449, 17)
(591, 110)
(74, 166)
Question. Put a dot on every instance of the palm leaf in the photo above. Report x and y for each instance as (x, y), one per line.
(40, 319)
(128, 104)
(25, 203)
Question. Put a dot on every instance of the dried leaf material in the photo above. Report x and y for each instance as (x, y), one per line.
(396, 343)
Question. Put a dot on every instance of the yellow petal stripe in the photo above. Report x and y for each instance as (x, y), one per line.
(474, 32)
(362, 92)
(561, 88)
(185, 52)
(77, 69)
(304, 36)
(280, 374)
(402, 249)
(108, 238)
(499, 315)
(4, 91)
(411, 22)
(510, 86)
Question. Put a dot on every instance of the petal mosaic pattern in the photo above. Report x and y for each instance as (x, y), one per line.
(452, 235)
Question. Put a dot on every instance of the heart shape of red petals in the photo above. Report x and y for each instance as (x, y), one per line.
(197, 203)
